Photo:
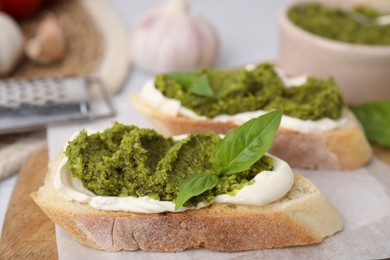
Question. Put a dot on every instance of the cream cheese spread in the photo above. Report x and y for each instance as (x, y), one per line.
(268, 186)
(173, 107)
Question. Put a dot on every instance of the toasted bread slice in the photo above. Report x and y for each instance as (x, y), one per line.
(303, 216)
(343, 148)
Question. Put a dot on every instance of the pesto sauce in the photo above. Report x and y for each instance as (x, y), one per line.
(259, 89)
(129, 161)
(337, 24)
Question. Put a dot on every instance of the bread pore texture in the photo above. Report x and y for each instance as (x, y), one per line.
(303, 216)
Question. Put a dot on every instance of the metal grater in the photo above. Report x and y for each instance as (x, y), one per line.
(35, 103)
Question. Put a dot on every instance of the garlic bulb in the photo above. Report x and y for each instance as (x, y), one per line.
(173, 38)
(49, 44)
(11, 44)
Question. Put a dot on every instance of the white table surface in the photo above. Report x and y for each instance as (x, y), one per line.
(247, 31)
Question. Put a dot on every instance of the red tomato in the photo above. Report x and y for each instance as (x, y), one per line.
(20, 8)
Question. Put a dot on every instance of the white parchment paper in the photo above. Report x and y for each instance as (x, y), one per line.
(362, 197)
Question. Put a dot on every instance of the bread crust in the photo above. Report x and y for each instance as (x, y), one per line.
(345, 148)
(303, 216)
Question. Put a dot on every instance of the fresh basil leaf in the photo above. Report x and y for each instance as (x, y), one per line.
(194, 185)
(201, 86)
(375, 119)
(243, 146)
(184, 78)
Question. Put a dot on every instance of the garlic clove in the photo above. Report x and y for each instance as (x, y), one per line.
(173, 38)
(11, 44)
(49, 44)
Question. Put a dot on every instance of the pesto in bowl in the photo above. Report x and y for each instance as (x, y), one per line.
(339, 24)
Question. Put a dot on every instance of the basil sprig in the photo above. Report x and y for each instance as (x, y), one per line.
(236, 152)
(193, 83)
(375, 119)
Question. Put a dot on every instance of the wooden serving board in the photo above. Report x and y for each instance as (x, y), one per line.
(27, 232)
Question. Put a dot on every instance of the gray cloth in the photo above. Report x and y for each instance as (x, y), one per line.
(15, 148)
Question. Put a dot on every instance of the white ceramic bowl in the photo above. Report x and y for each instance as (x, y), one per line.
(380, 5)
(361, 71)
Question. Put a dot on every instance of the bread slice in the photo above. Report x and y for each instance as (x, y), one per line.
(344, 148)
(303, 216)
